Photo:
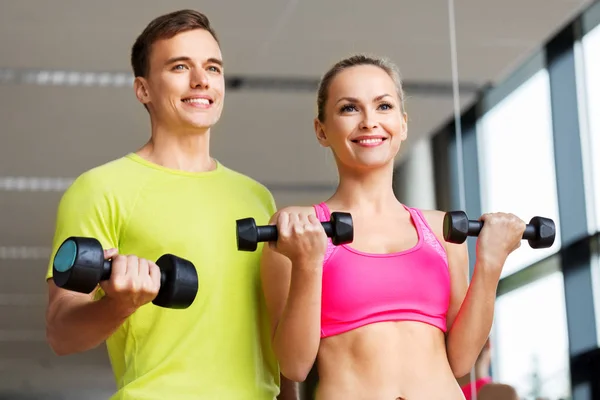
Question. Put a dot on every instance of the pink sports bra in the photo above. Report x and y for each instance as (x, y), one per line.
(361, 288)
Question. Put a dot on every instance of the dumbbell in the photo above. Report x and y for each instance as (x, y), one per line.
(540, 232)
(339, 228)
(79, 266)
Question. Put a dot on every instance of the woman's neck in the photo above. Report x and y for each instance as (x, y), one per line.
(369, 190)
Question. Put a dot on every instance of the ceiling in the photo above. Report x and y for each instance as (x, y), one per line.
(52, 131)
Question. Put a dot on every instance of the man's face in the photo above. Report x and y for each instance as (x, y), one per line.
(185, 86)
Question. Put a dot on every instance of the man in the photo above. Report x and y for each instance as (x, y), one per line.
(170, 196)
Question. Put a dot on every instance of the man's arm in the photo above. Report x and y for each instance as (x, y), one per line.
(77, 322)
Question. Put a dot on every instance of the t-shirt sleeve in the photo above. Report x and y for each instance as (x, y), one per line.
(86, 209)
(270, 203)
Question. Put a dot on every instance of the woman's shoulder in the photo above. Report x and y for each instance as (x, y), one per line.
(435, 215)
(435, 219)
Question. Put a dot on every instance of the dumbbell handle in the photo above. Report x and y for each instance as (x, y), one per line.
(475, 227)
(269, 233)
(107, 270)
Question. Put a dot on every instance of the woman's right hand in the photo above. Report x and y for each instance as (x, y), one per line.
(301, 237)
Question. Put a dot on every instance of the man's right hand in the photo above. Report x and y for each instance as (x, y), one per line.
(133, 281)
(76, 322)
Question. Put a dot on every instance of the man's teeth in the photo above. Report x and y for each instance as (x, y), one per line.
(200, 101)
(368, 141)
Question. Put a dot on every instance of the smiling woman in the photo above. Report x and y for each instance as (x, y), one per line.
(398, 292)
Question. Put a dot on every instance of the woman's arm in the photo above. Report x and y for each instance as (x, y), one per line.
(471, 312)
(288, 389)
(292, 288)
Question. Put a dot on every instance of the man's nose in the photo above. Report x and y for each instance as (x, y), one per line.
(199, 79)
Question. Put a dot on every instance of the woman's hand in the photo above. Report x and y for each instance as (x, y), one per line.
(301, 238)
(500, 235)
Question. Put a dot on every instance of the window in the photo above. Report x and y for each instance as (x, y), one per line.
(516, 158)
(591, 57)
(595, 271)
(591, 148)
(529, 342)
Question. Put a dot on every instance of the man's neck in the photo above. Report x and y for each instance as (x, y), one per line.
(188, 152)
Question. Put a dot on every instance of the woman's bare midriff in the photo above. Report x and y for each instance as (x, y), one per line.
(386, 361)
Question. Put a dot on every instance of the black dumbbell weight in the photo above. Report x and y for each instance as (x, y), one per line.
(540, 232)
(79, 265)
(339, 229)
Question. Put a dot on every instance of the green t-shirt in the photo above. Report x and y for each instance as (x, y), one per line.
(219, 347)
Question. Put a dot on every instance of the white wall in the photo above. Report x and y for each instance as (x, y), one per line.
(414, 177)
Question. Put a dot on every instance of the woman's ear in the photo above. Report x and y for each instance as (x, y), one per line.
(320, 133)
(404, 133)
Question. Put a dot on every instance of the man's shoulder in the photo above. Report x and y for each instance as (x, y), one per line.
(103, 177)
(244, 181)
(108, 169)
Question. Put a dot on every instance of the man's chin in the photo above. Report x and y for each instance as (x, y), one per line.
(199, 125)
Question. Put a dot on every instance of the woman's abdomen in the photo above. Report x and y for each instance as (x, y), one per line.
(386, 360)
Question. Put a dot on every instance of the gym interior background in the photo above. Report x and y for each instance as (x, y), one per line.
(529, 133)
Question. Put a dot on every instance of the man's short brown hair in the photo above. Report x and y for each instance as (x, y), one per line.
(165, 27)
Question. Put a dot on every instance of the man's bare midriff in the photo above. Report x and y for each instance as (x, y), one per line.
(386, 361)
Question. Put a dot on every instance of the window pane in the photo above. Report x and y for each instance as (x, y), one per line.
(516, 156)
(591, 54)
(530, 340)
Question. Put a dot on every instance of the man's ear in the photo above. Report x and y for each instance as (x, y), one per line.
(140, 86)
(320, 133)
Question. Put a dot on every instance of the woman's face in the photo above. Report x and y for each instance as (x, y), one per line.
(363, 119)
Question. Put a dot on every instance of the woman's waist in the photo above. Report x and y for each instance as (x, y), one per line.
(386, 369)
(426, 379)
(424, 389)
(392, 356)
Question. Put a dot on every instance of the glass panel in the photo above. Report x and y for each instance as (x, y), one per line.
(516, 158)
(591, 56)
(529, 342)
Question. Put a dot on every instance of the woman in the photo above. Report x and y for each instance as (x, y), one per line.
(391, 315)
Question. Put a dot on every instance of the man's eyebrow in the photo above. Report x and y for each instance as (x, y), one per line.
(211, 60)
(214, 60)
(177, 59)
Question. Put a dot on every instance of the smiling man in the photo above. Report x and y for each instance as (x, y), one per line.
(171, 196)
